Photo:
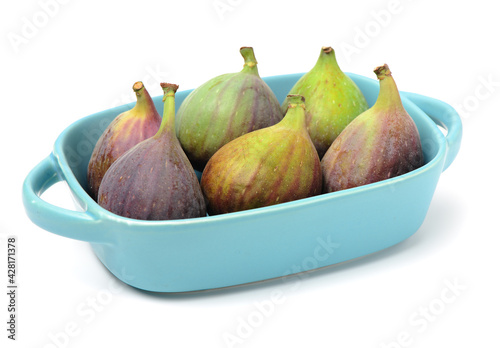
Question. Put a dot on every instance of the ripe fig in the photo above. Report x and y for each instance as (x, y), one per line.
(225, 108)
(268, 166)
(381, 143)
(154, 180)
(126, 130)
(333, 100)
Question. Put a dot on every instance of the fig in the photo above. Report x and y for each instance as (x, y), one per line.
(333, 100)
(224, 108)
(126, 130)
(268, 166)
(154, 179)
(381, 143)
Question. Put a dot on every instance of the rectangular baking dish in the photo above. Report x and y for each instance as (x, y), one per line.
(249, 246)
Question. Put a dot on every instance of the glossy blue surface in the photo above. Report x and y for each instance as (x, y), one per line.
(254, 245)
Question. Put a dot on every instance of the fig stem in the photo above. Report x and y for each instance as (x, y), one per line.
(144, 105)
(168, 120)
(327, 49)
(295, 100)
(250, 60)
(295, 115)
(327, 57)
(388, 96)
(138, 86)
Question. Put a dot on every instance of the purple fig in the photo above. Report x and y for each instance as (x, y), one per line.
(333, 100)
(381, 143)
(154, 180)
(268, 166)
(225, 108)
(126, 130)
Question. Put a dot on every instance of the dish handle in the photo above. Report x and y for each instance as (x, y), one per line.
(445, 116)
(64, 222)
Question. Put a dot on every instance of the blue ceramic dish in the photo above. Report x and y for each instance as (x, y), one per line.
(254, 245)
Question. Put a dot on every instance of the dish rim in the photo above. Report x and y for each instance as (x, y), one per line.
(92, 208)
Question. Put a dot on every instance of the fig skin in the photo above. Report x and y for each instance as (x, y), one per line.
(269, 166)
(381, 143)
(224, 108)
(333, 100)
(125, 131)
(154, 180)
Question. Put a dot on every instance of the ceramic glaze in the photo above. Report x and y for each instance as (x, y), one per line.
(249, 246)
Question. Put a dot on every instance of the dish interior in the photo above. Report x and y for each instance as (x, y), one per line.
(77, 142)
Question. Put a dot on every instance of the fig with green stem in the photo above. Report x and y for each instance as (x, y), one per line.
(269, 166)
(125, 131)
(224, 108)
(333, 100)
(154, 180)
(381, 143)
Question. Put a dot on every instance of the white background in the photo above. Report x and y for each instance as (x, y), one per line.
(63, 60)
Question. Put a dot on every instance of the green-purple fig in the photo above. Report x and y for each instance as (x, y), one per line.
(224, 108)
(333, 100)
(381, 143)
(154, 180)
(268, 166)
(126, 130)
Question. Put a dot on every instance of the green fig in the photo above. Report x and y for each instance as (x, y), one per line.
(333, 100)
(272, 165)
(224, 108)
(126, 130)
(154, 180)
(381, 143)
